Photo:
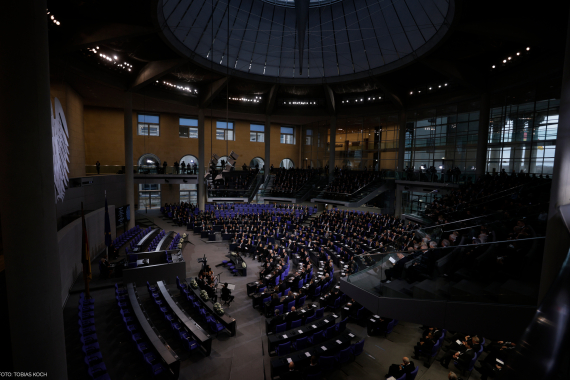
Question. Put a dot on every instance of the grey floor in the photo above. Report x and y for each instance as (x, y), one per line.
(243, 356)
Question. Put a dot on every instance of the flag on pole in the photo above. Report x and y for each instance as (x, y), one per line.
(107, 224)
(85, 256)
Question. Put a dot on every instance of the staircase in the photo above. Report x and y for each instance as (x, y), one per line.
(358, 198)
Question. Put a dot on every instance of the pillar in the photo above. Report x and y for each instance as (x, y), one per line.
(332, 146)
(482, 135)
(401, 142)
(33, 278)
(129, 174)
(201, 161)
(267, 140)
(557, 236)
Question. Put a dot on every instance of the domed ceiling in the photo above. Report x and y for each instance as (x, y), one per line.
(304, 41)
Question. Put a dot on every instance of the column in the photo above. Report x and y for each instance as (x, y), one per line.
(267, 140)
(129, 176)
(401, 141)
(28, 208)
(557, 236)
(482, 136)
(201, 161)
(332, 146)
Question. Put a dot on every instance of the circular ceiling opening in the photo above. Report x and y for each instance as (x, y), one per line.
(341, 40)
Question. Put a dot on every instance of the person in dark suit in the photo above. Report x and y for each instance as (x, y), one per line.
(398, 370)
(489, 370)
(314, 367)
(227, 294)
(98, 166)
(463, 357)
(292, 316)
(424, 346)
(279, 319)
(291, 374)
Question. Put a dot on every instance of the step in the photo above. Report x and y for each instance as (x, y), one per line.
(426, 289)
(469, 291)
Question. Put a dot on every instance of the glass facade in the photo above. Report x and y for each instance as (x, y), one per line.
(522, 137)
(149, 196)
(443, 138)
(189, 193)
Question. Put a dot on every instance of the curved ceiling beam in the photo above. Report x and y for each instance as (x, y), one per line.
(329, 96)
(272, 99)
(88, 37)
(212, 91)
(153, 71)
(302, 13)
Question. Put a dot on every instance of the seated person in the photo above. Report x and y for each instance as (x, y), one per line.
(399, 370)
(314, 367)
(278, 319)
(291, 374)
(463, 356)
(424, 345)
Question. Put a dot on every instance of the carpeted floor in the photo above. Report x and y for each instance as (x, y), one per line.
(243, 356)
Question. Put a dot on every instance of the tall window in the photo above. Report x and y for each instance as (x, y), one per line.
(189, 193)
(148, 125)
(256, 133)
(319, 139)
(225, 131)
(188, 128)
(287, 135)
(309, 137)
(522, 137)
(149, 195)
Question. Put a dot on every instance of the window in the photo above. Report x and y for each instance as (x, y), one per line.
(256, 133)
(148, 125)
(319, 139)
(188, 128)
(189, 193)
(287, 135)
(149, 195)
(149, 163)
(225, 131)
(309, 137)
(287, 164)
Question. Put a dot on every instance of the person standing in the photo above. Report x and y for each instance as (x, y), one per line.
(183, 164)
(98, 166)
(164, 165)
(176, 166)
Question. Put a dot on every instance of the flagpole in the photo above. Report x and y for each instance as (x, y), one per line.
(85, 262)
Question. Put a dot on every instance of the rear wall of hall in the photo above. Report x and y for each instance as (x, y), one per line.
(104, 140)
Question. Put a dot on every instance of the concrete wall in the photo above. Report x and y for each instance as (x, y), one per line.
(93, 196)
(70, 238)
(72, 105)
(104, 140)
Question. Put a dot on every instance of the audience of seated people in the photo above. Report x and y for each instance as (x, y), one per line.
(232, 181)
(349, 181)
(458, 204)
(289, 181)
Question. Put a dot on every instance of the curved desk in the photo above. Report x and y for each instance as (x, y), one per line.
(226, 319)
(168, 356)
(192, 327)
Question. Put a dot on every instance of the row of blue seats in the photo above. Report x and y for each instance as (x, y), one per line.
(178, 329)
(174, 242)
(330, 363)
(125, 237)
(132, 326)
(139, 236)
(90, 345)
(316, 338)
(319, 313)
(156, 240)
(207, 318)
